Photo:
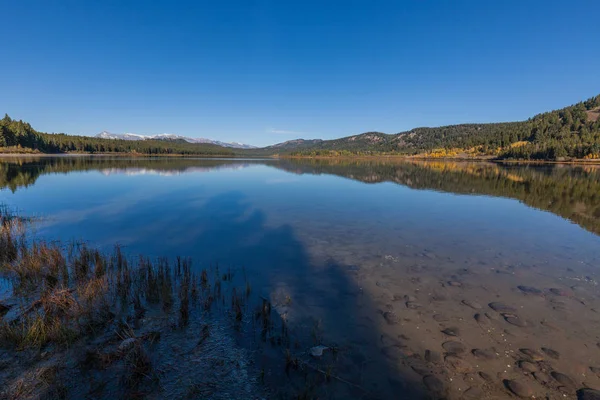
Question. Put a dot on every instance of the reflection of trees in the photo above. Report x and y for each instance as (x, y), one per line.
(571, 192)
(23, 172)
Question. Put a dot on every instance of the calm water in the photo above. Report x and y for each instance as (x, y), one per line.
(349, 242)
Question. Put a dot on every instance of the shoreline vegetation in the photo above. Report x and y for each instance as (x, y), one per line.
(81, 323)
(571, 134)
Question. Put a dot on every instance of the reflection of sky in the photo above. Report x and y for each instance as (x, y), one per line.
(223, 215)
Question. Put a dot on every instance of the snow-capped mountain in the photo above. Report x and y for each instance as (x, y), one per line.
(171, 136)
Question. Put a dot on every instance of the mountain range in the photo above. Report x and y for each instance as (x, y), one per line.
(568, 133)
(172, 137)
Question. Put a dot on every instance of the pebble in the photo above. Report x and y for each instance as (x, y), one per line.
(486, 377)
(452, 331)
(454, 283)
(542, 377)
(413, 305)
(409, 298)
(454, 347)
(519, 388)
(483, 354)
(529, 289)
(516, 321)
(588, 394)
(534, 355)
(551, 353)
(528, 366)
(440, 318)
(482, 319)
(563, 379)
(501, 307)
(433, 383)
(317, 351)
(474, 305)
(391, 317)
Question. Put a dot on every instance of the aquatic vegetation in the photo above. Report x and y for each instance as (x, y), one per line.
(124, 322)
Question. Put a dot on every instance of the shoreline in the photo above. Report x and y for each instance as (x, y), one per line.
(278, 156)
(455, 159)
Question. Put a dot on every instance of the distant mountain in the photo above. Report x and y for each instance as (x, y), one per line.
(171, 137)
(295, 144)
(571, 132)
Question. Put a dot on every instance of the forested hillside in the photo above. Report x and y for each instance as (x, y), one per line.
(19, 136)
(570, 132)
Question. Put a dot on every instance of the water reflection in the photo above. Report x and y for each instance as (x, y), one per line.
(398, 275)
(572, 192)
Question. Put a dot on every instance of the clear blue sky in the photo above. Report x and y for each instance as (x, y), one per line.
(262, 72)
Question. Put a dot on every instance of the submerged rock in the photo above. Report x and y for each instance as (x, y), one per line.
(486, 377)
(452, 331)
(482, 319)
(533, 354)
(521, 389)
(542, 377)
(317, 351)
(484, 354)
(501, 307)
(588, 394)
(562, 379)
(551, 353)
(473, 304)
(528, 366)
(432, 356)
(454, 347)
(440, 318)
(413, 305)
(529, 289)
(516, 321)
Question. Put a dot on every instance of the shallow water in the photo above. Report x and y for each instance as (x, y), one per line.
(377, 257)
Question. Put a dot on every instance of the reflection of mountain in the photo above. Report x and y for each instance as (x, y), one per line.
(23, 172)
(571, 192)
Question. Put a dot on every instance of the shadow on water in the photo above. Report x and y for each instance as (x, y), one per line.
(315, 304)
(322, 304)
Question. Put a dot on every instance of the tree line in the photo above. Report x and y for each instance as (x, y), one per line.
(19, 136)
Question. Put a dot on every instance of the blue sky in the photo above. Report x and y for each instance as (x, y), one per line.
(262, 72)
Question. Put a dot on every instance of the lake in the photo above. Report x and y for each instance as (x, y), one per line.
(396, 263)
